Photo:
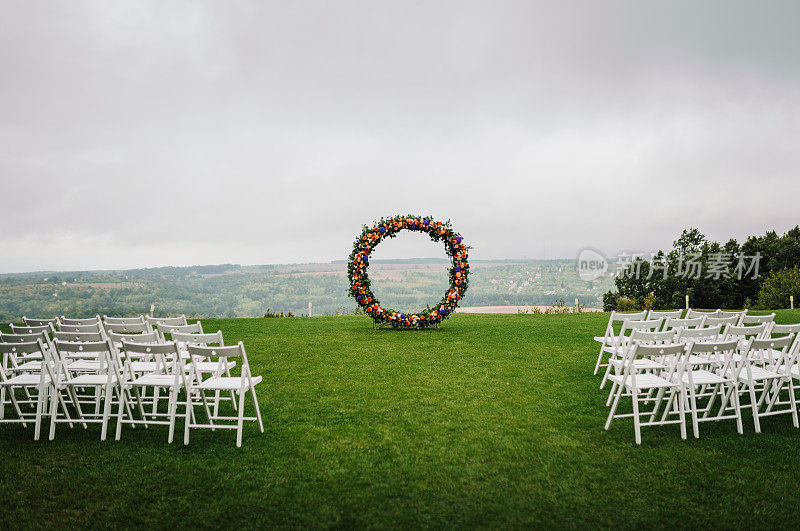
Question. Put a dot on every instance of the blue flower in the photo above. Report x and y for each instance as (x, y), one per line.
(426, 221)
(457, 269)
(458, 239)
(442, 311)
(381, 230)
(358, 298)
(402, 316)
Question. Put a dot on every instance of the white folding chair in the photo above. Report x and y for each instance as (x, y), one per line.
(620, 342)
(712, 391)
(641, 384)
(203, 366)
(237, 384)
(169, 375)
(607, 340)
(106, 381)
(764, 384)
(36, 383)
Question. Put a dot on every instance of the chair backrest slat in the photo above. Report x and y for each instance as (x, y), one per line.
(665, 314)
(758, 319)
(695, 322)
(174, 321)
(128, 328)
(82, 321)
(124, 320)
(39, 322)
(730, 320)
(78, 337)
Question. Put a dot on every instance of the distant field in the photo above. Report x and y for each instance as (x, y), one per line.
(231, 290)
(490, 421)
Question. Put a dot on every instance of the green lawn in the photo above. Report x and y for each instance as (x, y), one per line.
(489, 421)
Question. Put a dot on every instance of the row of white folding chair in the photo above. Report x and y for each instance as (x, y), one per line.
(610, 340)
(105, 320)
(671, 376)
(88, 353)
(649, 330)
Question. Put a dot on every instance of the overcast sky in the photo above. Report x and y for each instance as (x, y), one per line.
(140, 134)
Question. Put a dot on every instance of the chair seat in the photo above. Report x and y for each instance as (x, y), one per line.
(702, 377)
(84, 365)
(29, 366)
(25, 379)
(155, 380)
(211, 366)
(225, 382)
(643, 364)
(91, 379)
(145, 366)
(759, 374)
(700, 360)
(643, 381)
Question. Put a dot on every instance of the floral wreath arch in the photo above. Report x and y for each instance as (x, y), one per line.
(358, 263)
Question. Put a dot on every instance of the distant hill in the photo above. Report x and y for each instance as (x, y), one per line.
(233, 290)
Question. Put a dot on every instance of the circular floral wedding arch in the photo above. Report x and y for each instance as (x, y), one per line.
(388, 228)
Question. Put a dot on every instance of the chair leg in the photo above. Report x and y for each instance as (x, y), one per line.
(611, 394)
(754, 407)
(173, 407)
(240, 424)
(682, 410)
(187, 424)
(792, 402)
(54, 412)
(620, 390)
(17, 409)
(39, 406)
(693, 411)
(121, 407)
(599, 360)
(637, 429)
(109, 392)
(258, 410)
(737, 407)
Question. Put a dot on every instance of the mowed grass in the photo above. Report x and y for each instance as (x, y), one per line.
(490, 421)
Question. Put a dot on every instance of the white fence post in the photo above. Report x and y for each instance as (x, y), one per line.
(687, 302)
(791, 301)
(309, 308)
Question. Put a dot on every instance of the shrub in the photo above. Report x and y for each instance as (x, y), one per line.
(777, 288)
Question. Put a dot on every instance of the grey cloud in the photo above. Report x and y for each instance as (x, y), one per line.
(151, 133)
